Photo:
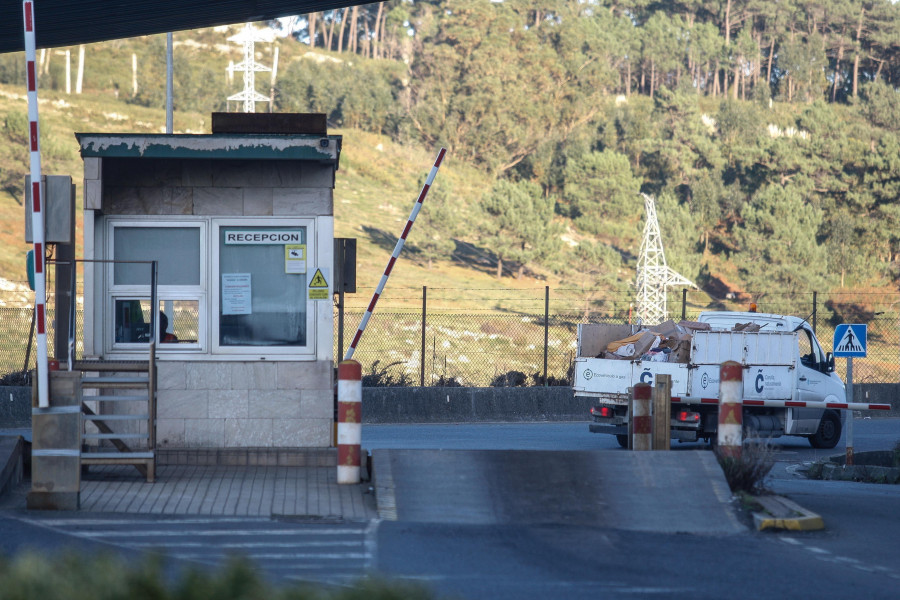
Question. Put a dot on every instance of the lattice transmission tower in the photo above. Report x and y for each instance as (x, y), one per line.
(654, 276)
(248, 36)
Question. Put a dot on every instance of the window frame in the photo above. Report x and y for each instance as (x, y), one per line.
(196, 293)
(306, 351)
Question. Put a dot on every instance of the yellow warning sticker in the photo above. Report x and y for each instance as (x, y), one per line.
(318, 294)
(318, 280)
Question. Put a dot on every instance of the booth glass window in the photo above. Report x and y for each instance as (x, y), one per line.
(178, 249)
(262, 283)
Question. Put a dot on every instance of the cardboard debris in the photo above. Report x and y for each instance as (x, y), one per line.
(694, 326)
(746, 327)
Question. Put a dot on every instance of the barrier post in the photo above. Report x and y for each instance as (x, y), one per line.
(662, 412)
(641, 428)
(730, 434)
(349, 434)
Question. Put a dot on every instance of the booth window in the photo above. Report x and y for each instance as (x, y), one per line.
(178, 250)
(262, 282)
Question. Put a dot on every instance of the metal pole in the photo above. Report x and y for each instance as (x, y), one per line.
(422, 356)
(169, 83)
(815, 310)
(849, 439)
(684, 304)
(37, 212)
(349, 437)
(641, 426)
(730, 432)
(400, 242)
(546, 328)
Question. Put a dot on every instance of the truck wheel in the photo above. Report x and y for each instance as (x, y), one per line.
(829, 432)
(623, 440)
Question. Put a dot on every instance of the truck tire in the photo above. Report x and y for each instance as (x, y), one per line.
(623, 440)
(829, 432)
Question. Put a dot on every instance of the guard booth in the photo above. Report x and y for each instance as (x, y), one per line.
(240, 226)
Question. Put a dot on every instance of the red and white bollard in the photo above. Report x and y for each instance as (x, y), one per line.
(349, 436)
(641, 420)
(730, 434)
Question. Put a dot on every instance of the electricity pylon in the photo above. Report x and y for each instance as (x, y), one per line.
(654, 276)
(248, 36)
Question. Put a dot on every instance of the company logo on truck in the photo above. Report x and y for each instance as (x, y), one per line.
(760, 380)
(647, 377)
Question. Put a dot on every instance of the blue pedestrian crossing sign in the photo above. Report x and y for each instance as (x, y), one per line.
(850, 341)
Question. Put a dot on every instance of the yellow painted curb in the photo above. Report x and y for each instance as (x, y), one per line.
(781, 513)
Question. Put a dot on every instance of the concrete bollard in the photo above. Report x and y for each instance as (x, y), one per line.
(730, 434)
(641, 424)
(349, 436)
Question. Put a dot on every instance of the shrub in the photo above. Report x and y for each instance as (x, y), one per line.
(76, 577)
(16, 126)
(381, 377)
(748, 473)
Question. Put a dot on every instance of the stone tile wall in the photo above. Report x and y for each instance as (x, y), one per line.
(244, 404)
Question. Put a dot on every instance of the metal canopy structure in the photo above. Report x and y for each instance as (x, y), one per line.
(68, 22)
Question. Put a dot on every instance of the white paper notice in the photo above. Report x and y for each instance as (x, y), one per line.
(236, 293)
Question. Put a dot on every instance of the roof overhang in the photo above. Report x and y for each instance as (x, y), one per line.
(215, 146)
(68, 22)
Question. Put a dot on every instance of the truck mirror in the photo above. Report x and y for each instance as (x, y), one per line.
(829, 362)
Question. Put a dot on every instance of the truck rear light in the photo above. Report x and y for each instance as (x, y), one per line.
(602, 411)
(686, 416)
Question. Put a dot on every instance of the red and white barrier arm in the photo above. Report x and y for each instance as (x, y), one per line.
(390, 266)
(37, 219)
(786, 403)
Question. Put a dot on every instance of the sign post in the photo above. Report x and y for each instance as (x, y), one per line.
(849, 342)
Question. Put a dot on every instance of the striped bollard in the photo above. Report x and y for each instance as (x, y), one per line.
(730, 434)
(641, 421)
(349, 436)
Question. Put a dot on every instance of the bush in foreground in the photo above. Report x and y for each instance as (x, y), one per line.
(73, 577)
(748, 473)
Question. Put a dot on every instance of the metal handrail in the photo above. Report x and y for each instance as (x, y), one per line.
(154, 300)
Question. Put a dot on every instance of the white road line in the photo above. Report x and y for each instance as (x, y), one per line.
(247, 545)
(110, 522)
(274, 556)
(216, 533)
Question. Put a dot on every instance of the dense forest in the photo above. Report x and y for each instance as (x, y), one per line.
(768, 130)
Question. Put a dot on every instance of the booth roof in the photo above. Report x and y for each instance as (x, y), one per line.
(219, 146)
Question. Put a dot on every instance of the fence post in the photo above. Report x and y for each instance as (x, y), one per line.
(684, 304)
(422, 361)
(815, 310)
(662, 411)
(349, 421)
(546, 328)
(730, 434)
(641, 429)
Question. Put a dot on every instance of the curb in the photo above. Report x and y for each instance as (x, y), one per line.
(781, 513)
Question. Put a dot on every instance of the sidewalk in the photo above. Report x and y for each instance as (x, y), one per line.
(297, 492)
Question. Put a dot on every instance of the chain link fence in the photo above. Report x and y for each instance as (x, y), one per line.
(478, 337)
(505, 338)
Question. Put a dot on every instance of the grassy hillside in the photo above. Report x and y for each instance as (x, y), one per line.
(377, 185)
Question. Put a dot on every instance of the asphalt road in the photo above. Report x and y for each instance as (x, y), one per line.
(856, 556)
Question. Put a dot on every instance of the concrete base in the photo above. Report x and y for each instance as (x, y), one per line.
(53, 500)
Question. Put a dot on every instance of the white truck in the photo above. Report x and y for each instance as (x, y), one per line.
(781, 356)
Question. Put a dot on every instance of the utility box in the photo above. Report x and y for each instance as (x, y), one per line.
(58, 209)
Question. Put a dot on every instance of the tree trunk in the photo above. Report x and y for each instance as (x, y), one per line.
(769, 62)
(859, 25)
(367, 40)
(376, 42)
(341, 31)
(837, 68)
(628, 80)
(311, 22)
(330, 38)
(352, 44)
(499, 268)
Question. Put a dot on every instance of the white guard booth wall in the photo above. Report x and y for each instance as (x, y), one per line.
(241, 226)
